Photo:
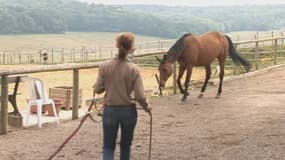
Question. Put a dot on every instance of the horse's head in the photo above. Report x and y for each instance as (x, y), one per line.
(165, 70)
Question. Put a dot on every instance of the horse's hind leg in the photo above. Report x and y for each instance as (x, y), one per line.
(221, 77)
(208, 76)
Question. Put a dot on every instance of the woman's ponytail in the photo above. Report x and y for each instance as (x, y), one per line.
(125, 44)
(122, 52)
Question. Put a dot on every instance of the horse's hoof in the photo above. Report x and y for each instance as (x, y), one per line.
(100, 114)
(218, 96)
(200, 95)
(182, 103)
(183, 99)
(187, 93)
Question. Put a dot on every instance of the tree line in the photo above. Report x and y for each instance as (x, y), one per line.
(59, 16)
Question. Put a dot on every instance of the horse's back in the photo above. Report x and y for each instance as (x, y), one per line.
(207, 47)
(213, 33)
(206, 39)
(212, 36)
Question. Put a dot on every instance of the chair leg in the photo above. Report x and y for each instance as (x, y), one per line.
(54, 111)
(39, 114)
(28, 114)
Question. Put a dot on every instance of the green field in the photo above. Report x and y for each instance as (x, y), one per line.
(71, 40)
(68, 40)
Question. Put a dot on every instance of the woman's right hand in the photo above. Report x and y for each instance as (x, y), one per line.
(148, 109)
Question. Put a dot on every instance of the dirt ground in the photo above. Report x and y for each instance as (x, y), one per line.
(246, 123)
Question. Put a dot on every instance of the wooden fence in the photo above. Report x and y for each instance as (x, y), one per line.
(76, 67)
(76, 55)
(257, 46)
(248, 35)
(85, 55)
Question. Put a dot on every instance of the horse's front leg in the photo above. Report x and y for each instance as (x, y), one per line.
(180, 75)
(186, 84)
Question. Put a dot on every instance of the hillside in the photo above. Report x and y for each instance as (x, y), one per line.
(60, 16)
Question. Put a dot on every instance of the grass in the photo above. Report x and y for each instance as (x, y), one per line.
(71, 40)
(68, 40)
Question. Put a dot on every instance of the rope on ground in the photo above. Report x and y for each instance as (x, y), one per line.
(88, 114)
(150, 136)
(157, 80)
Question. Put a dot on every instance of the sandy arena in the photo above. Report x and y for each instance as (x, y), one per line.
(246, 123)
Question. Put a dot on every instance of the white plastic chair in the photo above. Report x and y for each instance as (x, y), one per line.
(38, 97)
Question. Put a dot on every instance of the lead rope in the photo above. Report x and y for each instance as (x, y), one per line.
(150, 136)
(159, 88)
(88, 114)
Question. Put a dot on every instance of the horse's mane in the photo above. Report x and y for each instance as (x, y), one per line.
(177, 49)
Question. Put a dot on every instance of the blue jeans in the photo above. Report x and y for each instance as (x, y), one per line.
(113, 117)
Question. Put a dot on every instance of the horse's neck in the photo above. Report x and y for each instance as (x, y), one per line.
(172, 59)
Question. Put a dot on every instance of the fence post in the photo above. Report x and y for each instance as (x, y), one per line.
(86, 55)
(4, 58)
(257, 35)
(174, 79)
(75, 94)
(272, 35)
(73, 55)
(41, 56)
(29, 59)
(62, 55)
(8, 59)
(14, 58)
(275, 52)
(235, 67)
(256, 53)
(4, 105)
(282, 38)
(52, 56)
(81, 53)
(100, 56)
(158, 45)
(20, 59)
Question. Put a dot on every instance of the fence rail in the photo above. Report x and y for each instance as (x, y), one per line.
(84, 55)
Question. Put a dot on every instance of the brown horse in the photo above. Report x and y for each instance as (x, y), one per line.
(191, 50)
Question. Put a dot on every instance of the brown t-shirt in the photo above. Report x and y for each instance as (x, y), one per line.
(122, 83)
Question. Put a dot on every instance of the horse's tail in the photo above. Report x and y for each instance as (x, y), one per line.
(237, 59)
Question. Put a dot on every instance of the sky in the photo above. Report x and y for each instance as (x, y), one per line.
(190, 2)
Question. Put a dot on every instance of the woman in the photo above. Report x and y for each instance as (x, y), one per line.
(120, 79)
